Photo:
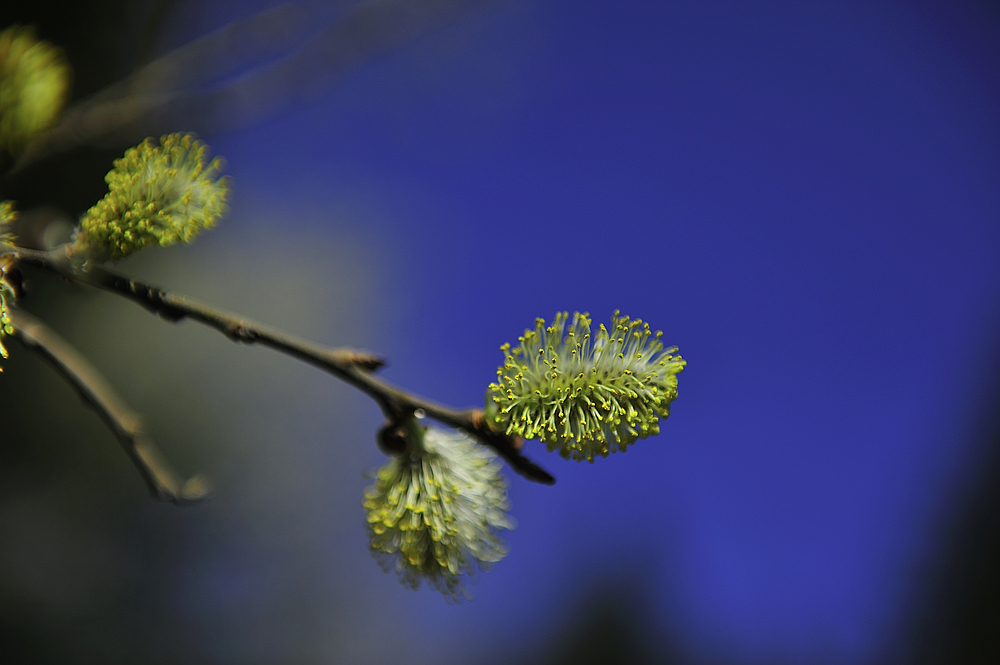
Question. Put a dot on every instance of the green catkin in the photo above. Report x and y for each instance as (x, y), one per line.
(434, 511)
(34, 87)
(7, 216)
(585, 396)
(157, 195)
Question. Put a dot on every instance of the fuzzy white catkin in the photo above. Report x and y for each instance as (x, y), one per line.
(434, 511)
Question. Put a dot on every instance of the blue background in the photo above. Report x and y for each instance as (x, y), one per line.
(802, 195)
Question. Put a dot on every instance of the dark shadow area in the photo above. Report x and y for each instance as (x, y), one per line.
(957, 619)
(612, 624)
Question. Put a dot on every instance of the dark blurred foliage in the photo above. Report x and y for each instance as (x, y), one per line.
(104, 41)
(957, 615)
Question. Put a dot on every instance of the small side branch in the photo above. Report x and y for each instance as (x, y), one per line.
(161, 480)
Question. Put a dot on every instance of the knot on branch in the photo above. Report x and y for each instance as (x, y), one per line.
(391, 438)
(366, 360)
(239, 332)
(149, 297)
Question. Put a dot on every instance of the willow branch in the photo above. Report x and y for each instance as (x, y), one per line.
(350, 365)
(161, 480)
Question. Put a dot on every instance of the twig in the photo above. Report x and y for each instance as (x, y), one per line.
(161, 480)
(350, 365)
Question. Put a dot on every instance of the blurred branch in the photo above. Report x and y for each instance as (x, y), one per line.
(176, 90)
(123, 111)
(352, 366)
(161, 480)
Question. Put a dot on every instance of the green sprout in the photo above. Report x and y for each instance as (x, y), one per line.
(7, 215)
(157, 195)
(585, 397)
(34, 87)
(434, 510)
